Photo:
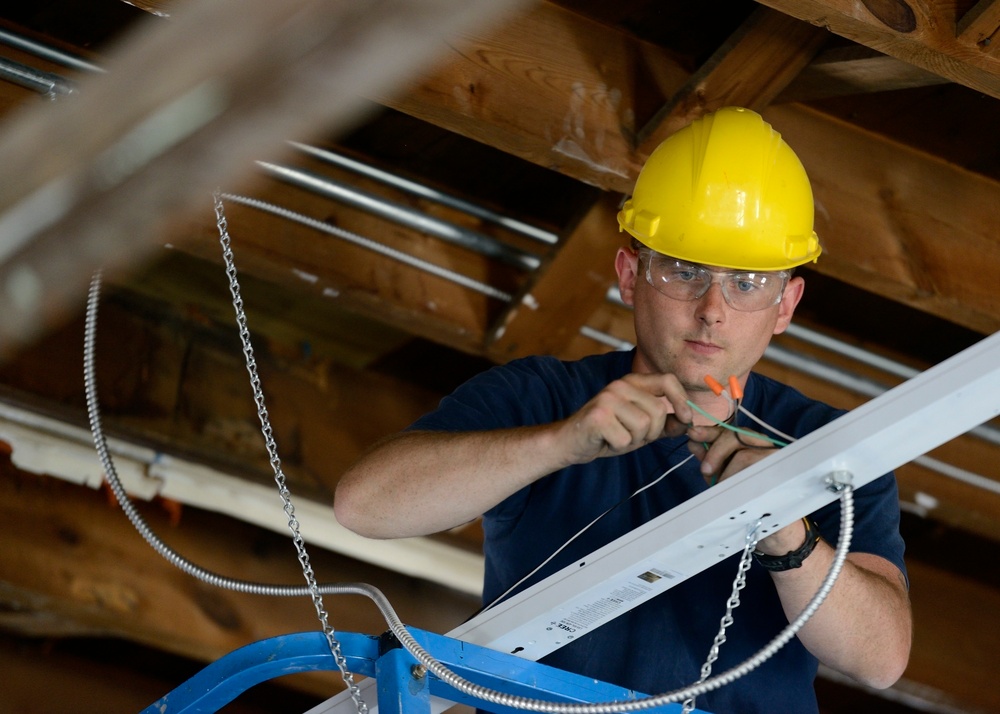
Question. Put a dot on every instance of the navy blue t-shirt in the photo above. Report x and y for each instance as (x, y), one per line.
(661, 645)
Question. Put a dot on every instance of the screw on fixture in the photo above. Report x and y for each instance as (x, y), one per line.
(837, 481)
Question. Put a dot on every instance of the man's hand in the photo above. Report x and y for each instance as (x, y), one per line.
(627, 414)
(722, 453)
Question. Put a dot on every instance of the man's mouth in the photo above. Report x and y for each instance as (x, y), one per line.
(703, 347)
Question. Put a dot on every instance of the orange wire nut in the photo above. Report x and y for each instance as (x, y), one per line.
(735, 390)
(713, 384)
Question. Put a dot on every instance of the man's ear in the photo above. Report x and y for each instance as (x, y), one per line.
(789, 300)
(627, 266)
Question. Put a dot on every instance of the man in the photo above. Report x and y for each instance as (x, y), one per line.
(721, 215)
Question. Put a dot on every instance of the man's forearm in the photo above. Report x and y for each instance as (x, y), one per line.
(420, 482)
(863, 628)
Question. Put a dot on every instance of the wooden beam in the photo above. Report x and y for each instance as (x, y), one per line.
(855, 70)
(112, 675)
(897, 222)
(353, 276)
(979, 27)
(918, 33)
(749, 69)
(565, 292)
(951, 613)
(551, 87)
(174, 382)
(73, 565)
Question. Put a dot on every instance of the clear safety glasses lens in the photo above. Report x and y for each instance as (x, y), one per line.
(745, 291)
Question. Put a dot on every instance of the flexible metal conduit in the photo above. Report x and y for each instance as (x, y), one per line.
(402, 215)
(431, 194)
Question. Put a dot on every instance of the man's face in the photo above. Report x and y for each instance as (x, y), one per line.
(705, 336)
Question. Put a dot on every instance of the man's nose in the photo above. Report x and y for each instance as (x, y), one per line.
(712, 305)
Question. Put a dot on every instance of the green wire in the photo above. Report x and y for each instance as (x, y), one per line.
(737, 429)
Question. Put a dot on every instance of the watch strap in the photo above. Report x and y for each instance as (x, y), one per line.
(792, 559)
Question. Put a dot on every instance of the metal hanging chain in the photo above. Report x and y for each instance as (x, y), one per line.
(746, 560)
(272, 452)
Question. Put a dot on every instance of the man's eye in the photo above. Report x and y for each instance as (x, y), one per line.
(746, 284)
(684, 275)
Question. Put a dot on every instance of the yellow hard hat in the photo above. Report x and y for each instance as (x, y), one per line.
(727, 191)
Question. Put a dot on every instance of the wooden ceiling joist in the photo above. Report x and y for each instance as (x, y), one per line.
(899, 222)
(553, 88)
(855, 70)
(750, 69)
(919, 33)
(87, 572)
(979, 27)
(564, 292)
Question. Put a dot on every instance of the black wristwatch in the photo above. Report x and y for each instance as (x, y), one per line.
(792, 559)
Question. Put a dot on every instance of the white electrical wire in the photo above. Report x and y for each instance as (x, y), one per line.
(583, 530)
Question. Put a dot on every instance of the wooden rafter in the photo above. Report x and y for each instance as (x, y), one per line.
(749, 70)
(920, 33)
(979, 27)
(855, 70)
(898, 222)
(551, 87)
(564, 292)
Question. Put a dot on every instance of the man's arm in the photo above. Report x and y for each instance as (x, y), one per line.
(864, 627)
(421, 482)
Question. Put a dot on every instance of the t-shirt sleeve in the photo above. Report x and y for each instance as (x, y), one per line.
(876, 521)
(502, 397)
(499, 398)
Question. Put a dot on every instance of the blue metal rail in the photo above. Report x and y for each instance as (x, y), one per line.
(400, 690)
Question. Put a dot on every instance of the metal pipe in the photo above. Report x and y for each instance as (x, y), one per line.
(372, 245)
(46, 52)
(429, 193)
(403, 215)
(815, 368)
(857, 353)
(50, 85)
(605, 339)
(843, 378)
